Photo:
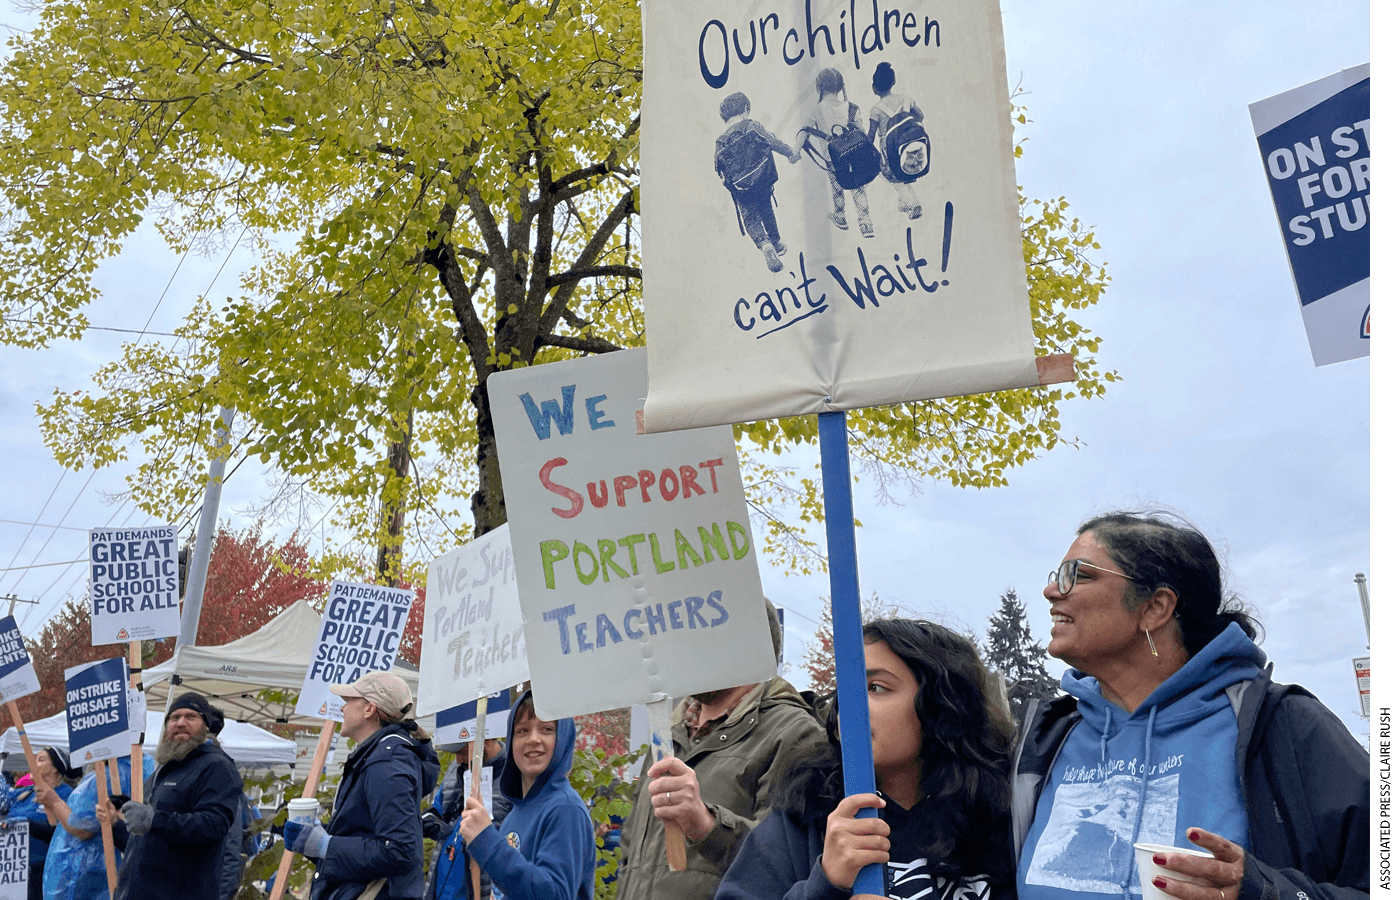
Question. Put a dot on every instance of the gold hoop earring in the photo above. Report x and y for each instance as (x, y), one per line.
(1150, 645)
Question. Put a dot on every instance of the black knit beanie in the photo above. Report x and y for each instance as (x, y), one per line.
(211, 715)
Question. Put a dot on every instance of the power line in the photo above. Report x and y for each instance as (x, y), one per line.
(33, 525)
(40, 524)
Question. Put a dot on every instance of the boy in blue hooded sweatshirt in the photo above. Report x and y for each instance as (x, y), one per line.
(544, 850)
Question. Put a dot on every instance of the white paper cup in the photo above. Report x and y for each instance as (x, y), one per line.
(303, 810)
(1148, 870)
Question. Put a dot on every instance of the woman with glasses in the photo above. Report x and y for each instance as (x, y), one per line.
(1173, 734)
(939, 740)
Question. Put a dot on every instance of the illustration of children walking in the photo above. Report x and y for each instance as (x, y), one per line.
(744, 162)
(838, 145)
(896, 128)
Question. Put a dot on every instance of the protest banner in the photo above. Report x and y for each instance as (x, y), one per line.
(875, 284)
(17, 679)
(97, 703)
(647, 589)
(14, 860)
(881, 262)
(1315, 142)
(360, 632)
(473, 634)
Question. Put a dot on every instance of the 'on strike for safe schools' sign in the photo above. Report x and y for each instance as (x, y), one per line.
(635, 560)
(133, 580)
(97, 707)
(360, 632)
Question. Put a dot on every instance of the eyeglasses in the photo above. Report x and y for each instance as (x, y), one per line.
(1067, 575)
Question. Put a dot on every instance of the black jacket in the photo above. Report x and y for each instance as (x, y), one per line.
(375, 827)
(196, 800)
(1305, 780)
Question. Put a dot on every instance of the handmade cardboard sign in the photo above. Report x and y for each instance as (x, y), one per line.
(832, 211)
(457, 725)
(635, 560)
(360, 632)
(14, 860)
(17, 675)
(134, 585)
(473, 635)
(97, 706)
(1315, 142)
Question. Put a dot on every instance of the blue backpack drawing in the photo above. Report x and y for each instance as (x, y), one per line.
(746, 164)
(851, 155)
(907, 149)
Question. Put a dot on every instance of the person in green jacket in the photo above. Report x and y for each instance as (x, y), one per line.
(731, 748)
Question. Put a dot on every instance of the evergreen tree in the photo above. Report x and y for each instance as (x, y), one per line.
(1019, 658)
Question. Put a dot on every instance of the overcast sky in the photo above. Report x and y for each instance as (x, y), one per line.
(1140, 119)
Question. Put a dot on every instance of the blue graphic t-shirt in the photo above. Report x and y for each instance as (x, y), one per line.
(1147, 777)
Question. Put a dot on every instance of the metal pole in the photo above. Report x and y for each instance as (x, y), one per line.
(208, 520)
(1365, 604)
(853, 708)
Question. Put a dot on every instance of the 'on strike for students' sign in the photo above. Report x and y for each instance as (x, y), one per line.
(17, 675)
(635, 562)
(134, 584)
(795, 263)
(360, 633)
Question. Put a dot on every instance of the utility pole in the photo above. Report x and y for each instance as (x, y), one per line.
(208, 519)
(1365, 605)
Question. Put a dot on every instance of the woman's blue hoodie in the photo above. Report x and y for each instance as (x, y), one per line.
(544, 850)
(1146, 777)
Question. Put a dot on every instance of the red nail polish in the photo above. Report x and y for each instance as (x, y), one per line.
(1159, 859)
(1193, 834)
(1159, 883)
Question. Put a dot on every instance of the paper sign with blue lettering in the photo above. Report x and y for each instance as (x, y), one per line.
(453, 727)
(473, 635)
(14, 860)
(98, 720)
(17, 675)
(635, 560)
(832, 218)
(133, 584)
(1315, 142)
(360, 632)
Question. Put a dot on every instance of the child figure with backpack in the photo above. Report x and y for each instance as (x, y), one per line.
(846, 152)
(744, 162)
(896, 128)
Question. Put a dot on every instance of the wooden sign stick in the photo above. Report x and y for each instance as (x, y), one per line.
(109, 849)
(29, 756)
(478, 754)
(134, 663)
(659, 719)
(308, 790)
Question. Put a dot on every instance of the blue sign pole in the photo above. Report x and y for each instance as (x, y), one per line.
(857, 760)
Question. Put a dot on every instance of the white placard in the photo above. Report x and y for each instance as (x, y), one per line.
(1315, 143)
(635, 560)
(360, 632)
(473, 635)
(133, 584)
(17, 675)
(1362, 666)
(14, 860)
(878, 294)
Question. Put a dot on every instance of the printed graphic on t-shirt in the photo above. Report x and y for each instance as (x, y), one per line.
(1087, 844)
(913, 881)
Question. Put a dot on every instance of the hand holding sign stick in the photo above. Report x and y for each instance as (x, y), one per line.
(28, 750)
(659, 718)
(478, 754)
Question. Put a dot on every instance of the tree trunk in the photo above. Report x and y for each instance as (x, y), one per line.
(389, 567)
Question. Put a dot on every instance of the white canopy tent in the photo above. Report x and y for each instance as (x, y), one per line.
(256, 678)
(249, 745)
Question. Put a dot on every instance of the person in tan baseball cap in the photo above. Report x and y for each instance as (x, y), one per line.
(375, 833)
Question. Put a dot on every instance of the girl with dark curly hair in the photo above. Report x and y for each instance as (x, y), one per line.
(940, 737)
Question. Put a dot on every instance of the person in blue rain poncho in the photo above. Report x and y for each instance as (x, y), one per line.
(74, 869)
(52, 769)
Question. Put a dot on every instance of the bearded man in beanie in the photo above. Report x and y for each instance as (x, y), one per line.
(375, 833)
(174, 840)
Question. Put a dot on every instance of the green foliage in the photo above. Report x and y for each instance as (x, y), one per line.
(438, 190)
(1011, 651)
(599, 780)
(279, 788)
